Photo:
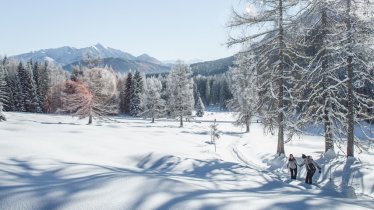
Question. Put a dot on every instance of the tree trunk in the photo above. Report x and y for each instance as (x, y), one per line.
(153, 119)
(329, 142)
(247, 124)
(280, 147)
(350, 114)
(181, 121)
(90, 119)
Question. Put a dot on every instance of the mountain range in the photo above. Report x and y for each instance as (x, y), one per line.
(119, 60)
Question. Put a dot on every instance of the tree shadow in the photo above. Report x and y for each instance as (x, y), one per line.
(184, 180)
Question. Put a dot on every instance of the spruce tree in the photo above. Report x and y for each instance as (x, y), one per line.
(3, 94)
(128, 93)
(199, 106)
(28, 87)
(19, 98)
(137, 89)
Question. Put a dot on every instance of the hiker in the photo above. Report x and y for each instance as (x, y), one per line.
(311, 166)
(292, 165)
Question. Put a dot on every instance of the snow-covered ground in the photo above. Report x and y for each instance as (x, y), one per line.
(59, 162)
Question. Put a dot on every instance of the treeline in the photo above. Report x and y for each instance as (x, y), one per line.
(94, 92)
(25, 86)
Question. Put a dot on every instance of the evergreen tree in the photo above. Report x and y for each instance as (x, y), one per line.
(28, 88)
(137, 88)
(43, 85)
(19, 97)
(207, 92)
(128, 93)
(224, 93)
(37, 76)
(199, 106)
(9, 105)
(180, 89)
(3, 94)
(122, 95)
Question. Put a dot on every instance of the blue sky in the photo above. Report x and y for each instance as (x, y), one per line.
(165, 29)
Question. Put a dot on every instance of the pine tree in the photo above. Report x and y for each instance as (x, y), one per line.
(128, 93)
(207, 92)
(153, 105)
(43, 84)
(19, 97)
(199, 106)
(137, 89)
(224, 93)
(180, 89)
(10, 103)
(28, 88)
(37, 77)
(122, 94)
(3, 93)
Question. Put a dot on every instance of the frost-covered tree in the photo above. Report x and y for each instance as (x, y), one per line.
(122, 93)
(53, 101)
(207, 92)
(92, 97)
(359, 55)
(320, 89)
(338, 35)
(245, 96)
(180, 90)
(41, 78)
(128, 93)
(137, 88)
(3, 93)
(153, 105)
(29, 92)
(199, 106)
(265, 22)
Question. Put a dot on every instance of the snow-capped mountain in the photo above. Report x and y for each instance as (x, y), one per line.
(67, 55)
(120, 61)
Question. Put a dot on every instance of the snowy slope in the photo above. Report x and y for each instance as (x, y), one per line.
(59, 162)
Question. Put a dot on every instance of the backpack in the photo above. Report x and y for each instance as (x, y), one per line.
(311, 166)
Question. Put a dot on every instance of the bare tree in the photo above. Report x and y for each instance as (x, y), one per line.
(265, 22)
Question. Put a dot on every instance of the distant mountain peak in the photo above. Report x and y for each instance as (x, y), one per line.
(145, 57)
(100, 46)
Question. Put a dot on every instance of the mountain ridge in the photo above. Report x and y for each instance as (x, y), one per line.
(120, 61)
(66, 55)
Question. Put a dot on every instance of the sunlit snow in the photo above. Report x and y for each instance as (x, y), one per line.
(59, 162)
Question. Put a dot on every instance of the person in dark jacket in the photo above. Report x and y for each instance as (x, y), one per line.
(311, 166)
(292, 165)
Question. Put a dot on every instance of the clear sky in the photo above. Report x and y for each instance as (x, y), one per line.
(165, 29)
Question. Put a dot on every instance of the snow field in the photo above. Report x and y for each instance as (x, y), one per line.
(59, 162)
